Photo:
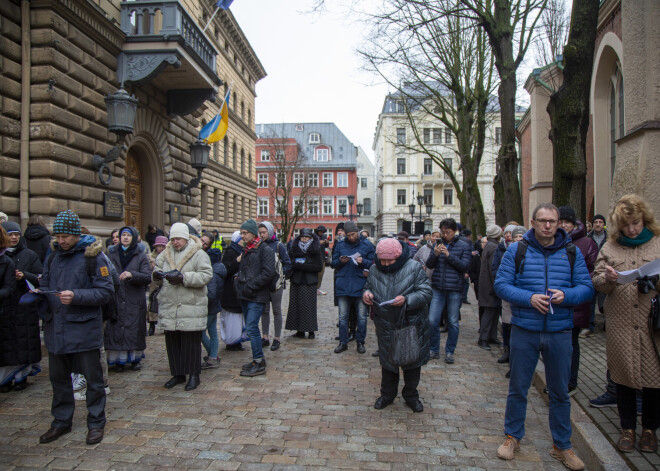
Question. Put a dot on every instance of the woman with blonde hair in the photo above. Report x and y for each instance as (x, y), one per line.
(634, 240)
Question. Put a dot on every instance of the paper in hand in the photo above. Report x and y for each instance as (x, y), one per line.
(649, 269)
(551, 294)
(355, 256)
(385, 303)
(32, 289)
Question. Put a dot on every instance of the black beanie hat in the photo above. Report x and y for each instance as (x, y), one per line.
(598, 216)
(566, 213)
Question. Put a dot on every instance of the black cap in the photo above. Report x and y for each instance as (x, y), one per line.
(566, 213)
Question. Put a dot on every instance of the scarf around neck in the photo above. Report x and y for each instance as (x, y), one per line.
(250, 245)
(305, 245)
(642, 238)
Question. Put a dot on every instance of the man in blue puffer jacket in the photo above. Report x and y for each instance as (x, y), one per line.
(449, 260)
(542, 293)
(350, 258)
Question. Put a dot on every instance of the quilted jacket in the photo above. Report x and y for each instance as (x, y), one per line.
(448, 272)
(544, 268)
(630, 355)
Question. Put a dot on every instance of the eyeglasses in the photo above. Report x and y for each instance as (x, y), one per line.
(244, 232)
(544, 222)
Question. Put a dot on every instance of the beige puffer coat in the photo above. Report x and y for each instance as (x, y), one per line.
(630, 355)
(184, 307)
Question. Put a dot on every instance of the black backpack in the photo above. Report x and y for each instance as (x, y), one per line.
(571, 252)
(109, 309)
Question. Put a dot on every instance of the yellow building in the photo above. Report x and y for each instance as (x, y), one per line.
(59, 59)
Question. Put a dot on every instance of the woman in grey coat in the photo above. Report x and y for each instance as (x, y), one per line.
(395, 277)
(124, 337)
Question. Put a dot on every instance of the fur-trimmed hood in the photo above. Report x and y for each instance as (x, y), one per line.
(90, 244)
(194, 245)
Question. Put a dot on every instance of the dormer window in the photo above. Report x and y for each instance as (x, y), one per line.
(314, 138)
(322, 154)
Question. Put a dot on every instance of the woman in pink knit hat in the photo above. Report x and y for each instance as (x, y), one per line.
(396, 278)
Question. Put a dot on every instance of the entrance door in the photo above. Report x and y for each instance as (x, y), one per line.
(133, 193)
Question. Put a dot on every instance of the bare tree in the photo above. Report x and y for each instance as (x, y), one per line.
(569, 109)
(442, 69)
(294, 193)
(552, 33)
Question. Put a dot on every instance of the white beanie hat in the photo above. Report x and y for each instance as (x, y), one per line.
(180, 230)
(196, 225)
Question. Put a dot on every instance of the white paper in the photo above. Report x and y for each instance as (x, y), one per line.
(649, 269)
(355, 256)
(385, 303)
(551, 294)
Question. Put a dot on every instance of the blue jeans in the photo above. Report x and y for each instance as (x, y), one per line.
(345, 303)
(450, 300)
(556, 349)
(252, 313)
(210, 341)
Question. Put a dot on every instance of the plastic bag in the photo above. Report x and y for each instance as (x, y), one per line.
(232, 327)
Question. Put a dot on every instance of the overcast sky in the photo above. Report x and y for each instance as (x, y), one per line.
(313, 71)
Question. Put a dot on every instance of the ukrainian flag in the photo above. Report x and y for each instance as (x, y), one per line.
(216, 129)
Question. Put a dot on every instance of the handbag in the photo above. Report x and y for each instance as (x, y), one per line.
(654, 321)
(405, 349)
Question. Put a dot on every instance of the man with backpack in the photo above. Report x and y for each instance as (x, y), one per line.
(543, 277)
(73, 325)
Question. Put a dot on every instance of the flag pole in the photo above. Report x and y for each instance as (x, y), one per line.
(212, 16)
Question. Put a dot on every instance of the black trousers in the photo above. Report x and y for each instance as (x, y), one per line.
(389, 384)
(488, 325)
(60, 368)
(184, 352)
(627, 404)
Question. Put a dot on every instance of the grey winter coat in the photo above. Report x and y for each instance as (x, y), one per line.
(76, 327)
(487, 296)
(128, 331)
(405, 278)
(184, 307)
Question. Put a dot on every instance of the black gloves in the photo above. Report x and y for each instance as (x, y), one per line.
(175, 279)
(157, 276)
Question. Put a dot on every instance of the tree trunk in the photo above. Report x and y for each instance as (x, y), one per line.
(569, 110)
(472, 209)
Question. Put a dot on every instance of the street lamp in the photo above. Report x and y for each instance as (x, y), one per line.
(199, 160)
(121, 108)
(411, 209)
(342, 208)
(420, 203)
(351, 200)
(359, 207)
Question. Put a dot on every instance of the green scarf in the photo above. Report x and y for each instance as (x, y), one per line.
(642, 238)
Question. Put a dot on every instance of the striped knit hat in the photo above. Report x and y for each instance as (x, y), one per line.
(67, 222)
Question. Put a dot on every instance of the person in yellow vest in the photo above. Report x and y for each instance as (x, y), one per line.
(218, 243)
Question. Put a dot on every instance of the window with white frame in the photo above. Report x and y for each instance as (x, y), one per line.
(363, 183)
(428, 167)
(427, 135)
(342, 180)
(437, 136)
(262, 207)
(449, 198)
(265, 155)
(322, 154)
(447, 136)
(400, 136)
(400, 166)
(401, 197)
(327, 180)
(313, 180)
(327, 207)
(279, 155)
(313, 207)
(262, 180)
(314, 138)
(298, 180)
(297, 206)
(281, 180)
(367, 206)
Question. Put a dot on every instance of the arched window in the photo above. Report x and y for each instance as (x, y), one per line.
(233, 155)
(249, 174)
(226, 149)
(249, 121)
(616, 115)
(242, 162)
(242, 111)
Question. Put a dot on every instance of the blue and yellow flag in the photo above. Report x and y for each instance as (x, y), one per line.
(216, 129)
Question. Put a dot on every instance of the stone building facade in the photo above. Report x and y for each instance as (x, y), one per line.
(61, 57)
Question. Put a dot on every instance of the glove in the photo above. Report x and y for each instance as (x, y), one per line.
(157, 276)
(175, 279)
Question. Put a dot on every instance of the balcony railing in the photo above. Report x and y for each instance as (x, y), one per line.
(166, 20)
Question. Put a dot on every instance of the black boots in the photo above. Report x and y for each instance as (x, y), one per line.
(152, 328)
(505, 356)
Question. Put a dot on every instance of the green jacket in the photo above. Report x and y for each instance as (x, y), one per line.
(184, 307)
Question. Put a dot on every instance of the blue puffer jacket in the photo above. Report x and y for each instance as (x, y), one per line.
(349, 277)
(449, 272)
(544, 268)
(76, 327)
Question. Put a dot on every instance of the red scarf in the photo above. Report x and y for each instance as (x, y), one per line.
(253, 244)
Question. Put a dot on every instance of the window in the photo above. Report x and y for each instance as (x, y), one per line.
(400, 166)
(428, 224)
(437, 136)
(262, 180)
(262, 207)
(322, 154)
(297, 205)
(449, 197)
(400, 108)
(400, 136)
(281, 180)
(314, 138)
(216, 151)
(367, 206)
(313, 207)
(298, 180)
(449, 163)
(616, 116)
(400, 197)
(427, 135)
(363, 183)
(226, 149)
(498, 136)
(428, 196)
(327, 206)
(233, 156)
(313, 180)
(342, 180)
(342, 203)
(242, 162)
(447, 136)
(428, 166)
(327, 180)
(279, 155)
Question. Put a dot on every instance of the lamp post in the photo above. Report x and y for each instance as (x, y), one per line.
(411, 209)
(342, 208)
(429, 213)
(121, 108)
(351, 200)
(199, 160)
(359, 207)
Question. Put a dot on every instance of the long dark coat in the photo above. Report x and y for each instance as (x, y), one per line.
(487, 296)
(307, 272)
(23, 341)
(7, 311)
(230, 301)
(128, 332)
(589, 249)
(406, 278)
(38, 240)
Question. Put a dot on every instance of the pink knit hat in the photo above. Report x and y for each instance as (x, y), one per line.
(160, 240)
(388, 249)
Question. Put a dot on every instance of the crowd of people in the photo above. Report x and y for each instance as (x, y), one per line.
(98, 302)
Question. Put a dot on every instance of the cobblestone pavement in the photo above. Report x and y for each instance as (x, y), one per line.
(312, 410)
(591, 384)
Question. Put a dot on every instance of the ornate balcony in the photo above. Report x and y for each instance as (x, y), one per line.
(165, 46)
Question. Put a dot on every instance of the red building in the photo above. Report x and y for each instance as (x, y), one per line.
(311, 167)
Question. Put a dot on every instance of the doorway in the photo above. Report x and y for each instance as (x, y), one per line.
(133, 197)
